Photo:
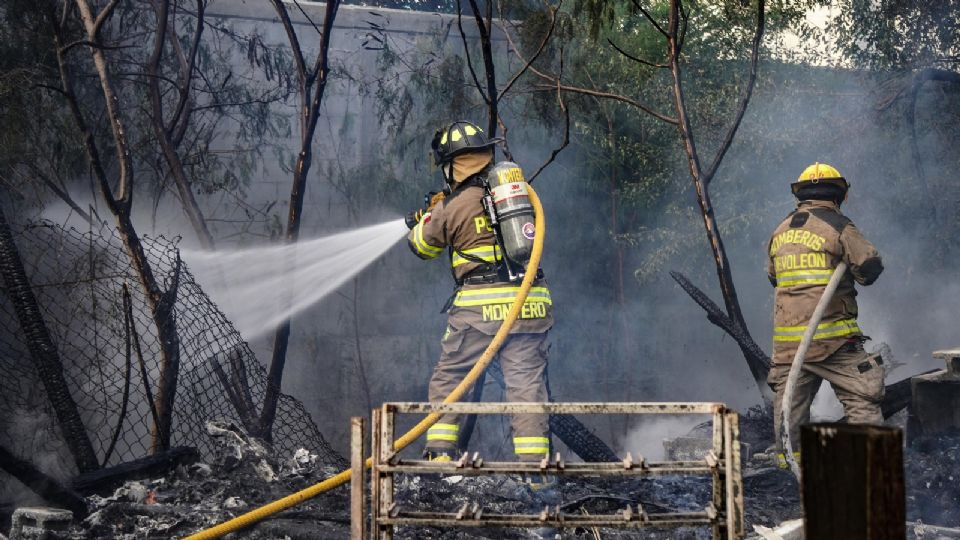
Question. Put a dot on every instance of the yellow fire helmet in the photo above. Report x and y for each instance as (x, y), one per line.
(817, 173)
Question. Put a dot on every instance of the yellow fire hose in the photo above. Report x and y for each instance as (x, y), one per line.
(343, 477)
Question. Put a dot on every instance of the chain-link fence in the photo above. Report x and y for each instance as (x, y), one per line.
(111, 355)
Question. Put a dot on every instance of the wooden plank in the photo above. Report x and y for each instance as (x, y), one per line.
(852, 482)
(375, 511)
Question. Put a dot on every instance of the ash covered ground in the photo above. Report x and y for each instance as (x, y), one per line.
(245, 475)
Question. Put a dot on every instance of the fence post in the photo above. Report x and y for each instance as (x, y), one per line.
(853, 482)
(358, 516)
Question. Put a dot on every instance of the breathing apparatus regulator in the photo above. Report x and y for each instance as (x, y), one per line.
(507, 203)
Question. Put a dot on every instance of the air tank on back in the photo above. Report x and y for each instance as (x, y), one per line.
(514, 213)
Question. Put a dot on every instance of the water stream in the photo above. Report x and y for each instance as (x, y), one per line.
(260, 287)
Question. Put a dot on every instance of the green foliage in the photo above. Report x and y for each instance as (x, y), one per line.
(897, 34)
(231, 125)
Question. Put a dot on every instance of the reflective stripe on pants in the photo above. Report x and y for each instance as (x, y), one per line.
(531, 445)
(443, 432)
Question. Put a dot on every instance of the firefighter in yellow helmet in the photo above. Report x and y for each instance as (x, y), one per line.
(803, 252)
(484, 292)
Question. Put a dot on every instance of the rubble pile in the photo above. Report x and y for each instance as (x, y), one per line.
(242, 475)
(245, 473)
(510, 495)
(932, 472)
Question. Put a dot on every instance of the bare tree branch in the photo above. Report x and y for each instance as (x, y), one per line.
(745, 98)
(180, 120)
(634, 58)
(124, 195)
(61, 192)
(128, 355)
(295, 49)
(486, 47)
(554, 83)
(757, 360)
(540, 49)
(649, 18)
(152, 68)
(605, 95)
(101, 19)
(466, 50)
(566, 128)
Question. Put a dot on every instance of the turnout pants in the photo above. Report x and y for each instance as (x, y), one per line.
(523, 359)
(856, 378)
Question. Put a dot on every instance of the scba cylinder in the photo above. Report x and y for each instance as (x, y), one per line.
(511, 200)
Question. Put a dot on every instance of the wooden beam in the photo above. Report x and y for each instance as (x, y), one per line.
(852, 482)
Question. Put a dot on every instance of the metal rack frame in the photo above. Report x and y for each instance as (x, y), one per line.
(724, 514)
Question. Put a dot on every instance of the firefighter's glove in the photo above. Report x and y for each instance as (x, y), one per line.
(432, 199)
(412, 218)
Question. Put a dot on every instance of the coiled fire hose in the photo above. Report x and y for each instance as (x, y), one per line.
(343, 477)
(786, 404)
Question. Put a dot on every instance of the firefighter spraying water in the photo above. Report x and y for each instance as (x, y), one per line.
(485, 221)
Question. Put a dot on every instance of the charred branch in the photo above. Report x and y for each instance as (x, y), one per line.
(158, 464)
(701, 180)
(128, 354)
(466, 51)
(757, 360)
(43, 351)
(484, 27)
(40, 483)
(897, 396)
(237, 388)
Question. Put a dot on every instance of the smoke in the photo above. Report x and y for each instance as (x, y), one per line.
(376, 332)
(647, 434)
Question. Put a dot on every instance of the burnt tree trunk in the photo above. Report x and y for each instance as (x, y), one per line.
(309, 80)
(735, 322)
(43, 351)
(853, 483)
(120, 201)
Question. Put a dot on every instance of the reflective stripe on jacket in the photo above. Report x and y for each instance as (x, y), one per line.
(420, 246)
(499, 295)
(845, 327)
(490, 254)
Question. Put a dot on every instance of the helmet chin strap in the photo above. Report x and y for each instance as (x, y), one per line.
(447, 170)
